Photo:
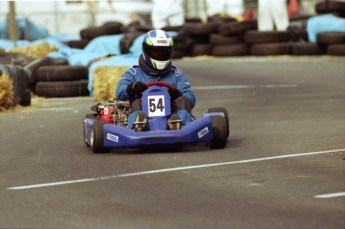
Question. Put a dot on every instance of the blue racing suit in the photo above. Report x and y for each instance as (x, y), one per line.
(176, 78)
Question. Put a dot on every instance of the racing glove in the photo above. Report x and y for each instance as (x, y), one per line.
(174, 94)
(136, 88)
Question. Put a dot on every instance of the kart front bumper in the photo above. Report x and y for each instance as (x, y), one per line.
(199, 130)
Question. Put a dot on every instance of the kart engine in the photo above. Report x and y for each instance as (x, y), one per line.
(115, 112)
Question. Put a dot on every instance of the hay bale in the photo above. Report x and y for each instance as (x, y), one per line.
(40, 50)
(105, 81)
(6, 93)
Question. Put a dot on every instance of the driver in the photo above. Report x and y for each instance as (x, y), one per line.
(155, 65)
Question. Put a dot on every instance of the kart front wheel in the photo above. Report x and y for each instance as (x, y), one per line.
(219, 131)
(91, 116)
(226, 115)
(97, 137)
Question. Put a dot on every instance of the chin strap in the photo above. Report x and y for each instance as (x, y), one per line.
(151, 71)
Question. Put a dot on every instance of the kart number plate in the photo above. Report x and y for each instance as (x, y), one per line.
(156, 105)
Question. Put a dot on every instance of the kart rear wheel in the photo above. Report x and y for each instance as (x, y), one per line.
(220, 132)
(226, 115)
(97, 137)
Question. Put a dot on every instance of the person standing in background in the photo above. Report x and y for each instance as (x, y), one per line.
(232, 8)
(167, 13)
(272, 14)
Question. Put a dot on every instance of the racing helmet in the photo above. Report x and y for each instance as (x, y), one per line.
(158, 47)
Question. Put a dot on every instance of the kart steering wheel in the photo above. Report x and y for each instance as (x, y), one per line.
(160, 83)
(156, 83)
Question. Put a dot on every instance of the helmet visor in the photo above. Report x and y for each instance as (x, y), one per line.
(158, 52)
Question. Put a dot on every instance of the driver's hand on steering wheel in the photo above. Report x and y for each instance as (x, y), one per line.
(136, 88)
(174, 94)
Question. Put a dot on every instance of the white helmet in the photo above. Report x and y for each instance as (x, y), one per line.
(158, 47)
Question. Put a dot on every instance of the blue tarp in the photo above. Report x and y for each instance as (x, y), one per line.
(108, 44)
(324, 23)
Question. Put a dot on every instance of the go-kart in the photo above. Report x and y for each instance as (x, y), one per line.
(106, 128)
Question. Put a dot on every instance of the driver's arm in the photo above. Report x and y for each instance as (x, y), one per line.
(121, 90)
(183, 86)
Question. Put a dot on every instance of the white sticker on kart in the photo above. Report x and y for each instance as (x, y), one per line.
(203, 132)
(112, 137)
(156, 105)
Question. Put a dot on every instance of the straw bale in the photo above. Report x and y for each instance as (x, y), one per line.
(105, 81)
(39, 50)
(6, 93)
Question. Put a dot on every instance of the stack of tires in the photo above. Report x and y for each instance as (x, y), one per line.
(62, 81)
(336, 7)
(268, 42)
(333, 42)
(87, 34)
(229, 41)
(198, 35)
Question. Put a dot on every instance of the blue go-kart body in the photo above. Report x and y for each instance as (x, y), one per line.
(212, 127)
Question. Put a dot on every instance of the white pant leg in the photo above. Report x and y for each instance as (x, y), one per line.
(280, 14)
(265, 21)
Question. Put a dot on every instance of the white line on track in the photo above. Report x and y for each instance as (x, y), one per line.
(330, 195)
(175, 169)
(245, 86)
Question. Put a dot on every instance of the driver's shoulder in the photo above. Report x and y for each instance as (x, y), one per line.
(176, 71)
(133, 70)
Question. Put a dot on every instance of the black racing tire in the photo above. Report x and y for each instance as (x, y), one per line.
(219, 131)
(220, 18)
(173, 28)
(59, 61)
(97, 137)
(62, 73)
(233, 28)
(256, 37)
(305, 48)
(92, 32)
(330, 6)
(127, 40)
(199, 39)
(268, 49)
(113, 23)
(79, 44)
(192, 20)
(183, 42)
(178, 54)
(201, 28)
(62, 89)
(240, 49)
(226, 115)
(26, 98)
(328, 38)
(336, 50)
(201, 49)
(218, 39)
(35, 65)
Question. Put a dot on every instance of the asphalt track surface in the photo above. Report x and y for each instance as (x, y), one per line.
(283, 166)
